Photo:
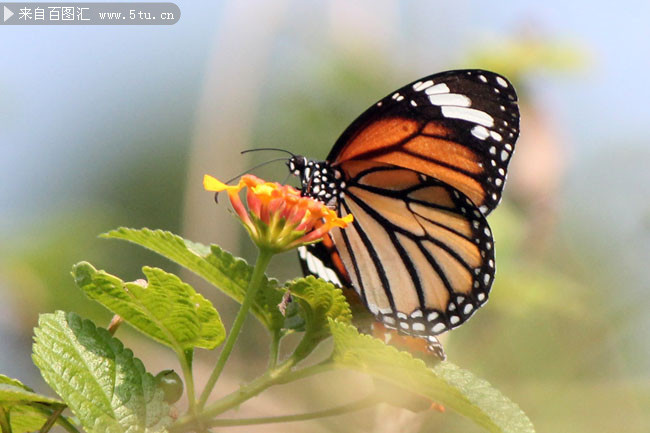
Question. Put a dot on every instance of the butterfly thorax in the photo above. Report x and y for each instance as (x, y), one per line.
(318, 179)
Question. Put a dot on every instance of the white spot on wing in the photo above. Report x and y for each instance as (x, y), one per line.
(480, 132)
(469, 114)
(455, 99)
(438, 327)
(420, 86)
(331, 276)
(502, 82)
(438, 88)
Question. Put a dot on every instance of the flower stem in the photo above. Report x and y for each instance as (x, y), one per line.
(275, 350)
(234, 399)
(361, 404)
(281, 374)
(188, 375)
(52, 419)
(321, 367)
(261, 264)
(67, 425)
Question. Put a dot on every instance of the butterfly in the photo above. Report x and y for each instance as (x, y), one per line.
(419, 170)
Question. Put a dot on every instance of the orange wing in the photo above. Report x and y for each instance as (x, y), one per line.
(459, 127)
(419, 254)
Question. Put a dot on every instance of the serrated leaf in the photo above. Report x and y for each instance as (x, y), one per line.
(167, 309)
(319, 301)
(100, 380)
(216, 266)
(445, 383)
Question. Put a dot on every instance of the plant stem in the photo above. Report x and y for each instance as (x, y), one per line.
(231, 400)
(61, 420)
(189, 382)
(5, 422)
(116, 321)
(261, 264)
(51, 420)
(279, 375)
(246, 392)
(321, 367)
(361, 404)
(275, 350)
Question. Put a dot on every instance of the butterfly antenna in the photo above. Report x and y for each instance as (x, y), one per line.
(267, 148)
(216, 195)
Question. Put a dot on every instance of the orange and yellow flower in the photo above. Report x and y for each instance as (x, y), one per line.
(278, 217)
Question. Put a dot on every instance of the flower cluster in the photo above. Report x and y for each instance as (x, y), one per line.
(278, 217)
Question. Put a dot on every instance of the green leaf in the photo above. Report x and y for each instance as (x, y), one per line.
(26, 418)
(27, 410)
(163, 307)
(100, 380)
(218, 267)
(12, 394)
(6, 380)
(319, 301)
(445, 383)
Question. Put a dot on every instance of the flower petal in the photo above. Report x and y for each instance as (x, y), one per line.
(212, 184)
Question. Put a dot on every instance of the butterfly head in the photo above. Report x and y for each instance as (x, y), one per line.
(318, 179)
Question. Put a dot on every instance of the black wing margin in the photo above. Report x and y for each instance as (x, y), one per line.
(420, 253)
(474, 108)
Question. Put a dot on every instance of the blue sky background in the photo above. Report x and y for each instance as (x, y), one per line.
(59, 85)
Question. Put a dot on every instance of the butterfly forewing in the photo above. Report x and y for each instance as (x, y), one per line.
(459, 127)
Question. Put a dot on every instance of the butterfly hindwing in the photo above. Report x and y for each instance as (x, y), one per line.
(459, 127)
(319, 260)
(419, 252)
